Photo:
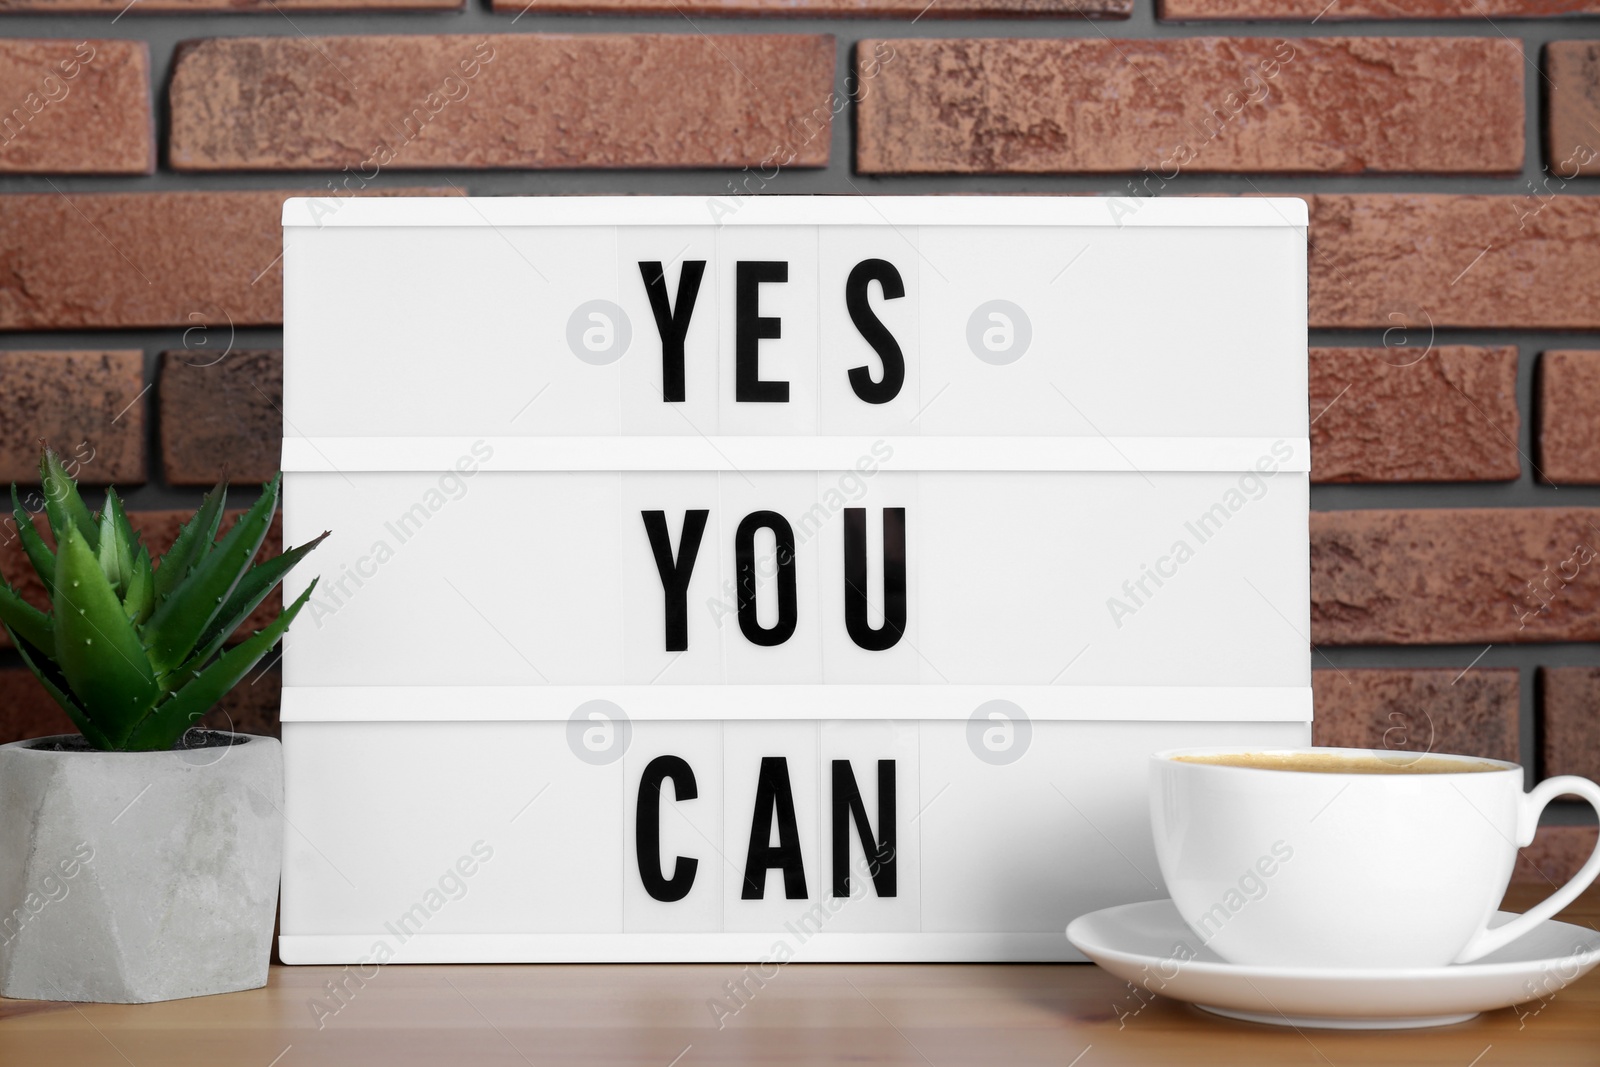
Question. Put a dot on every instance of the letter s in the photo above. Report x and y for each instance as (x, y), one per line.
(873, 331)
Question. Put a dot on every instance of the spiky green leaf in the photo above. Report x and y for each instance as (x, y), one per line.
(96, 646)
(140, 598)
(166, 723)
(24, 618)
(39, 554)
(194, 541)
(178, 621)
(54, 684)
(63, 504)
(250, 592)
(117, 541)
(119, 515)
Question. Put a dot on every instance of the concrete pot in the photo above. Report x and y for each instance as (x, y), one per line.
(128, 877)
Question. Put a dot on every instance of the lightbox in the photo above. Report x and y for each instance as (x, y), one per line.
(807, 577)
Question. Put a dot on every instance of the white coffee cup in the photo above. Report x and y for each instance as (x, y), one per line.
(1308, 868)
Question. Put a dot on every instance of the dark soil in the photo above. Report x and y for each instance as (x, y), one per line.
(191, 740)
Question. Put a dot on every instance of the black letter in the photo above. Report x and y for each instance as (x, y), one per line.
(675, 575)
(749, 329)
(873, 330)
(672, 325)
(744, 552)
(894, 579)
(647, 829)
(847, 805)
(773, 796)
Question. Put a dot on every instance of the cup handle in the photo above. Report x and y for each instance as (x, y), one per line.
(1533, 803)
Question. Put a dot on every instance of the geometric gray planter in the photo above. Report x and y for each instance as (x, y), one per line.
(129, 877)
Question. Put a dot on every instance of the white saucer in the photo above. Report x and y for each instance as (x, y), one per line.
(1150, 946)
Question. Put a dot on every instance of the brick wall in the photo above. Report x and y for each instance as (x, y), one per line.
(1446, 148)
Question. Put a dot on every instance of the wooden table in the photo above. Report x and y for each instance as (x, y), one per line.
(659, 1016)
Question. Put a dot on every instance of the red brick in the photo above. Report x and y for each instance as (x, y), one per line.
(221, 413)
(26, 710)
(1414, 412)
(108, 260)
(1346, 10)
(1555, 855)
(1569, 716)
(1473, 713)
(88, 405)
(523, 100)
(75, 107)
(915, 9)
(160, 529)
(1435, 261)
(1344, 105)
(252, 706)
(1455, 575)
(219, 7)
(1572, 110)
(1568, 406)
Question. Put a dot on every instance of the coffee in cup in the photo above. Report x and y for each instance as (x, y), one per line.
(1331, 762)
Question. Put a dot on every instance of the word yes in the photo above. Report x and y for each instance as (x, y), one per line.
(672, 316)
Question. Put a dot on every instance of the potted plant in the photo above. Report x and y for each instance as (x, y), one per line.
(140, 860)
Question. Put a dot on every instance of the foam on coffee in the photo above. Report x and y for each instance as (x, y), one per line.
(1344, 762)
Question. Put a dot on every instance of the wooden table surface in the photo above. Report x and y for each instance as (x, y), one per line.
(1067, 1015)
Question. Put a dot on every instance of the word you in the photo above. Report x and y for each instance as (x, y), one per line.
(676, 570)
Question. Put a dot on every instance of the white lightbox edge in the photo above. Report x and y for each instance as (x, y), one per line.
(719, 947)
(718, 453)
(675, 703)
(839, 210)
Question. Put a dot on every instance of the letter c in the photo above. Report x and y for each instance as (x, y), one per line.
(647, 828)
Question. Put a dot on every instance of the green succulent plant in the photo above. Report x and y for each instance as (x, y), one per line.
(132, 649)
